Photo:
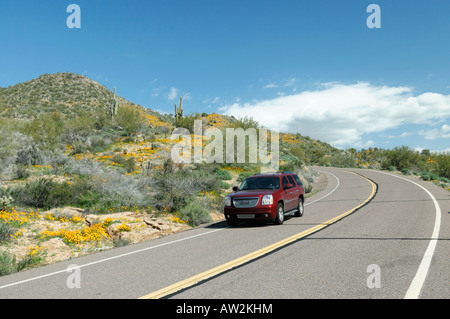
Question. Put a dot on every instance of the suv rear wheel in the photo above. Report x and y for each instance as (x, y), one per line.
(300, 208)
(279, 219)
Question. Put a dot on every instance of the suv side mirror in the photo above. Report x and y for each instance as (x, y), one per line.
(287, 186)
(235, 188)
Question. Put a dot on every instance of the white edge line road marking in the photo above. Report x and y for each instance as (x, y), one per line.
(144, 249)
(419, 279)
(111, 258)
(338, 183)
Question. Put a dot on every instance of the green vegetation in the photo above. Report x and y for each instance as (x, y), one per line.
(430, 166)
(60, 146)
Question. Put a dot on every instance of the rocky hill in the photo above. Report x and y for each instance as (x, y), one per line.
(68, 93)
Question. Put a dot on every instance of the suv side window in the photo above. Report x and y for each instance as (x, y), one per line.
(297, 179)
(291, 180)
(285, 181)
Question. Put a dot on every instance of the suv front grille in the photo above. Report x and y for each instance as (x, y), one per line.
(245, 202)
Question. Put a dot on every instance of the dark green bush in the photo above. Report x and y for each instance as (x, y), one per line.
(7, 263)
(194, 213)
(427, 176)
(243, 176)
(130, 165)
(402, 158)
(29, 155)
(130, 119)
(224, 175)
(21, 172)
(6, 231)
(175, 189)
(443, 164)
(35, 194)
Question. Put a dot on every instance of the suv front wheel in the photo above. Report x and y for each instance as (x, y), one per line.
(279, 219)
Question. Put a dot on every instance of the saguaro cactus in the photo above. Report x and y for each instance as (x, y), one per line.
(179, 110)
(114, 105)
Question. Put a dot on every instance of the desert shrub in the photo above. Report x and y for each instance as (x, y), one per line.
(175, 189)
(243, 176)
(291, 165)
(343, 159)
(443, 165)
(121, 191)
(224, 175)
(84, 167)
(188, 121)
(7, 263)
(29, 155)
(45, 193)
(98, 143)
(224, 185)
(299, 152)
(130, 165)
(427, 176)
(77, 142)
(130, 119)
(35, 194)
(21, 172)
(46, 130)
(406, 171)
(10, 143)
(119, 159)
(401, 158)
(245, 123)
(194, 213)
(6, 231)
(444, 180)
(172, 191)
(203, 181)
(106, 189)
(5, 198)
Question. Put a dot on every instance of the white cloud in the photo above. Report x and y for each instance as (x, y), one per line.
(161, 111)
(341, 114)
(443, 132)
(155, 92)
(270, 86)
(173, 94)
(404, 134)
(214, 101)
(290, 82)
(187, 96)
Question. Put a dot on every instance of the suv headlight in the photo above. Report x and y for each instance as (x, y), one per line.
(228, 201)
(267, 200)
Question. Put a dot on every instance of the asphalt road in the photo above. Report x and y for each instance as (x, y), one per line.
(395, 246)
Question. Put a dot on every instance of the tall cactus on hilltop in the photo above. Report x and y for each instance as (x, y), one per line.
(179, 111)
(115, 105)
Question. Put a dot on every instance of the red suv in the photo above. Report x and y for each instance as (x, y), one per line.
(266, 197)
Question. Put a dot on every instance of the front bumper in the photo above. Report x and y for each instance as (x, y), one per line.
(256, 213)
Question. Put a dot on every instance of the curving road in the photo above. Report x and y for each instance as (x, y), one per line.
(354, 241)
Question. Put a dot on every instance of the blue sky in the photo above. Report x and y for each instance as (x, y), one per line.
(312, 67)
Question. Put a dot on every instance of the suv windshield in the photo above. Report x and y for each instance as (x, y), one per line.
(261, 183)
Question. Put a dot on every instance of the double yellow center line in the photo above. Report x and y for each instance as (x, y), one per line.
(256, 254)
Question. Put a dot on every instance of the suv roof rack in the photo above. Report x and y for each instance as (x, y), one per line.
(273, 173)
(269, 173)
